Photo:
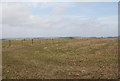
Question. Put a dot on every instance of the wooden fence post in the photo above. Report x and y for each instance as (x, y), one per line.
(9, 43)
(32, 41)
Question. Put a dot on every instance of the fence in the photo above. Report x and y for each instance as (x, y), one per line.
(23, 42)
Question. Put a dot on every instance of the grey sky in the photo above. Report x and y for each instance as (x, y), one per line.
(59, 19)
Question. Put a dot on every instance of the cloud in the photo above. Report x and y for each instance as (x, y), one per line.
(58, 10)
(18, 21)
(14, 14)
(17, 15)
(92, 27)
(112, 20)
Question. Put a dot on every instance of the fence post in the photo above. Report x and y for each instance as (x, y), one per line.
(32, 41)
(9, 43)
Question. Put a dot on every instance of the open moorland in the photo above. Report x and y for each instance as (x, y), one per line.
(78, 58)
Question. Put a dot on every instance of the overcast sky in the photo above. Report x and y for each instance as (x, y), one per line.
(84, 19)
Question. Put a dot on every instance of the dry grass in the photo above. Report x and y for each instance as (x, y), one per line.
(84, 58)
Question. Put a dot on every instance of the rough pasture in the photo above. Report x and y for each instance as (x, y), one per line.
(83, 58)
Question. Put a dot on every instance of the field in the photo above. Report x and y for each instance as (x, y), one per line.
(79, 58)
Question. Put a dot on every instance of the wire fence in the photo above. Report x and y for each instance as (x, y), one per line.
(24, 42)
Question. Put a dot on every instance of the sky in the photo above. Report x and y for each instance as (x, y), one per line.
(59, 19)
